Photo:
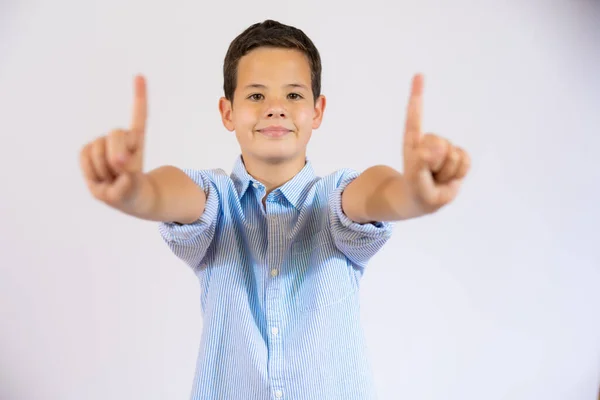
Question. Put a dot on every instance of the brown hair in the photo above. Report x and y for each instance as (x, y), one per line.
(270, 33)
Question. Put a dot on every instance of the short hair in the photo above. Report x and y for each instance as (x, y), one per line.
(272, 34)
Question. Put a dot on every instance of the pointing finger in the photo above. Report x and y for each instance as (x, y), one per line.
(412, 133)
(140, 111)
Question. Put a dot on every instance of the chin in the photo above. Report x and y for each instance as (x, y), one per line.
(276, 157)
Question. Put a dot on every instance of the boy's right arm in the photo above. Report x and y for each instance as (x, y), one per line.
(112, 167)
(176, 198)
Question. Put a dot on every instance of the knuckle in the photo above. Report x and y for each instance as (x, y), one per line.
(99, 140)
(112, 157)
(84, 154)
(97, 147)
(429, 137)
(116, 135)
(113, 162)
(84, 149)
(455, 156)
(466, 159)
(115, 132)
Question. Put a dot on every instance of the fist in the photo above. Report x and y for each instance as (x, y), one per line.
(112, 164)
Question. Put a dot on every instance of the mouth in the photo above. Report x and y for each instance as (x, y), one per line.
(274, 132)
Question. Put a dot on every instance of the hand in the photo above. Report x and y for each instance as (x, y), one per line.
(112, 164)
(433, 168)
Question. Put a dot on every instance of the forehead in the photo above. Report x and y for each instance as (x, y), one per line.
(266, 65)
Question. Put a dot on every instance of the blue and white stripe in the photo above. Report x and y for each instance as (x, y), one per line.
(279, 287)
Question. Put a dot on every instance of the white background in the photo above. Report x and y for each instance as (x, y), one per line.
(495, 297)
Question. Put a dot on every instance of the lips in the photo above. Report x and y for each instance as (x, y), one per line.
(274, 131)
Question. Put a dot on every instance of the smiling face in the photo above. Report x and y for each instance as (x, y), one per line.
(273, 111)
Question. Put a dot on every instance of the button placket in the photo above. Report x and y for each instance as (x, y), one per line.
(273, 312)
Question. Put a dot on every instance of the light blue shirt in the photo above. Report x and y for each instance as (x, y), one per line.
(279, 287)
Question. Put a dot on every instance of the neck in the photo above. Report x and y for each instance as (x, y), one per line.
(273, 174)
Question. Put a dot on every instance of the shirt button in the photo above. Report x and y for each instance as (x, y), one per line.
(279, 394)
(274, 272)
(255, 185)
(274, 330)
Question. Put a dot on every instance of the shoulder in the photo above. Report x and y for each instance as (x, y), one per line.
(337, 180)
(205, 177)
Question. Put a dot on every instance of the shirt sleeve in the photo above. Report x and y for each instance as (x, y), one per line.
(359, 242)
(191, 242)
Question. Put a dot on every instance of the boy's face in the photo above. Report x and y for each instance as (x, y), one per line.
(273, 111)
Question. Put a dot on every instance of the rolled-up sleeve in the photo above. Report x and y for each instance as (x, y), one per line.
(359, 242)
(190, 242)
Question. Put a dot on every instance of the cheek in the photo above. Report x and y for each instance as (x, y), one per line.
(245, 118)
(304, 116)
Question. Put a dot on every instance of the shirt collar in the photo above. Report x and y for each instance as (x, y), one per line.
(293, 190)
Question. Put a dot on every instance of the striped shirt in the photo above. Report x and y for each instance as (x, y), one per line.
(279, 287)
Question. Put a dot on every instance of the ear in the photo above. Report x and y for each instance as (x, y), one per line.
(319, 110)
(226, 110)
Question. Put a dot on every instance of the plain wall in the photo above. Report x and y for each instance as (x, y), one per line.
(495, 297)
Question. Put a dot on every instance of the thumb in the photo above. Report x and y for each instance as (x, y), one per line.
(125, 190)
(420, 177)
(418, 160)
(120, 189)
(433, 157)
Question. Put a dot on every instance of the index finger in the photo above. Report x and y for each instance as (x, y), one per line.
(140, 106)
(412, 133)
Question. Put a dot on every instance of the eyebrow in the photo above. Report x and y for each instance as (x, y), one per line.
(289, 85)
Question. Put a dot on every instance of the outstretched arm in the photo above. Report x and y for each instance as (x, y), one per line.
(434, 170)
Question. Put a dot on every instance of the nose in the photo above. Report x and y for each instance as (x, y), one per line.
(275, 110)
(276, 114)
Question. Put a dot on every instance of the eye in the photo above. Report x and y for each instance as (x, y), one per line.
(255, 96)
(295, 96)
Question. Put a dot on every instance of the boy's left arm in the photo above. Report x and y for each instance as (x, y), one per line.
(433, 172)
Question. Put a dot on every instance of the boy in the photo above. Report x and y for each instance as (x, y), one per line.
(278, 251)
